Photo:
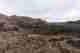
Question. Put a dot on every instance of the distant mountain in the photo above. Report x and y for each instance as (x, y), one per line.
(68, 22)
(70, 26)
(75, 22)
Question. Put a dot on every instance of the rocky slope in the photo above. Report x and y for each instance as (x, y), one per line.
(31, 25)
(21, 23)
(18, 42)
(23, 42)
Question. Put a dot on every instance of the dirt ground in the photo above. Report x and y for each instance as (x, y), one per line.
(22, 42)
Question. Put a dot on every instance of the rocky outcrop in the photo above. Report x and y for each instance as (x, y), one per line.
(72, 39)
(31, 25)
(21, 23)
(20, 42)
(7, 23)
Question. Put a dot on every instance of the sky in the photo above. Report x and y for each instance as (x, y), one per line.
(64, 10)
(8, 7)
(55, 10)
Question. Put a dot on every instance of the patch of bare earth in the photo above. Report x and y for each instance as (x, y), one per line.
(22, 42)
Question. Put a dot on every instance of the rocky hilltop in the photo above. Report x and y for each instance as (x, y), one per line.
(30, 24)
(21, 23)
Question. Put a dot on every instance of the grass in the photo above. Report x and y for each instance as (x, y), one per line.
(56, 29)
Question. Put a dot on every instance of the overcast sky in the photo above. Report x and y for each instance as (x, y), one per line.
(55, 10)
(8, 7)
(64, 10)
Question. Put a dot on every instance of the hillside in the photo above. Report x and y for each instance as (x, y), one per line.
(56, 27)
(70, 26)
(19, 34)
(21, 42)
(21, 23)
(32, 25)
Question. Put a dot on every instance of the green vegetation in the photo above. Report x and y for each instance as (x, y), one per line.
(54, 28)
